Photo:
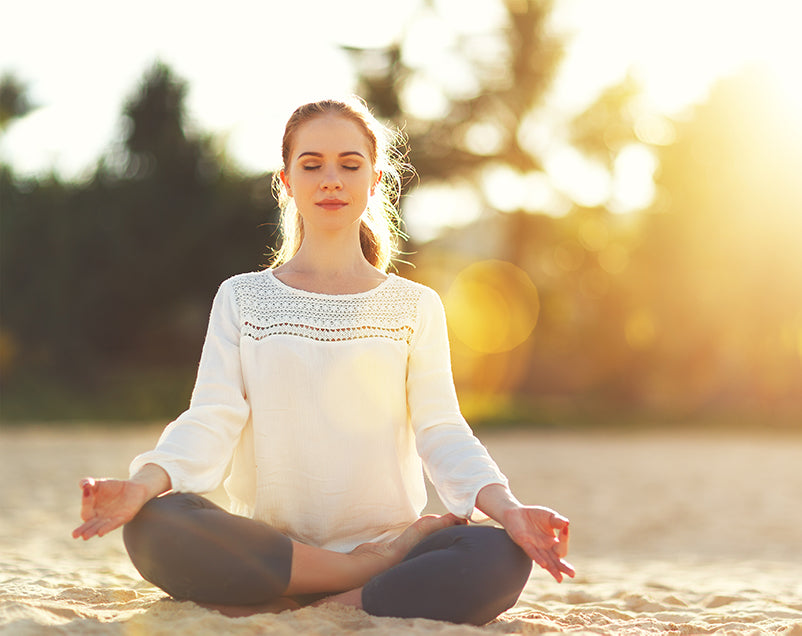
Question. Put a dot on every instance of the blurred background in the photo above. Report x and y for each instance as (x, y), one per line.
(608, 195)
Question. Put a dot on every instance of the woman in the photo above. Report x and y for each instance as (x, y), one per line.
(329, 382)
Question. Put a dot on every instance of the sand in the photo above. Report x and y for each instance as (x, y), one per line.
(681, 533)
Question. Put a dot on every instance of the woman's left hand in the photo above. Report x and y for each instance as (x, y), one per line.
(543, 535)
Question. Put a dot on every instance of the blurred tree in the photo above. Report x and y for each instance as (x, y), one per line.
(605, 127)
(14, 104)
(157, 140)
(117, 274)
(507, 70)
(14, 100)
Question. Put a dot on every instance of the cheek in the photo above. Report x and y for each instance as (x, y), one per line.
(362, 184)
(299, 183)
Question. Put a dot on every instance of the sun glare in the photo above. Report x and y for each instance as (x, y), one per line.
(721, 37)
(780, 49)
(492, 306)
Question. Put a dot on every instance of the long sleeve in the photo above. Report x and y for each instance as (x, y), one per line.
(196, 448)
(458, 465)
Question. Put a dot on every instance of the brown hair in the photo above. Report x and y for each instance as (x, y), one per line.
(379, 230)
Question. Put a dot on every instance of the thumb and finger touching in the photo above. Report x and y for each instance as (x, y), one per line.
(102, 508)
(545, 541)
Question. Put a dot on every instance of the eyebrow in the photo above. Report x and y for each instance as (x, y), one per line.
(342, 154)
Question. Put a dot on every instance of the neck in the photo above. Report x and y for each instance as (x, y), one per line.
(330, 256)
(329, 267)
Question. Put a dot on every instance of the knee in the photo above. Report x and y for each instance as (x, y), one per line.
(153, 530)
(503, 559)
(504, 568)
(154, 514)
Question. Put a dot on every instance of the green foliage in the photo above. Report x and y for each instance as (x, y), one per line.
(14, 100)
(119, 395)
(119, 272)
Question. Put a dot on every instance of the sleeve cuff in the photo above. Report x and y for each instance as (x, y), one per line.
(154, 457)
(465, 508)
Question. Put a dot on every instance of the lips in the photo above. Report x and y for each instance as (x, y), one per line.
(331, 204)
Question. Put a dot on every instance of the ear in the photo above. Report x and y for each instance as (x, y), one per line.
(377, 178)
(286, 181)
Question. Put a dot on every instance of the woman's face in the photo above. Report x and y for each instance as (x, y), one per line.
(329, 173)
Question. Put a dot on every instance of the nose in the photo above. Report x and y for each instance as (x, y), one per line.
(330, 180)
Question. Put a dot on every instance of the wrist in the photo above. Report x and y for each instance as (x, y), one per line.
(497, 502)
(152, 479)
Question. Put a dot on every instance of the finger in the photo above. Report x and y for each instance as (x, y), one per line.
(108, 526)
(78, 531)
(555, 566)
(87, 481)
(561, 548)
(567, 568)
(545, 558)
(558, 522)
(538, 537)
(89, 487)
(100, 526)
(561, 567)
(94, 526)
(88, 501)
(87, 530)
(549, 562)
(538, 557)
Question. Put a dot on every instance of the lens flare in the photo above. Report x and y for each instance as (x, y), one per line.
(492, 306)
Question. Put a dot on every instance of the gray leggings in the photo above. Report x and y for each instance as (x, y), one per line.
(195, 550)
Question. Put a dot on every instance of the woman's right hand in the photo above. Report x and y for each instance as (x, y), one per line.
(108, 504)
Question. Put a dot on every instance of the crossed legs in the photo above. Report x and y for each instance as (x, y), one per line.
(194, 550)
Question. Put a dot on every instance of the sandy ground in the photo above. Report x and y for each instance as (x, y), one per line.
(672, 533)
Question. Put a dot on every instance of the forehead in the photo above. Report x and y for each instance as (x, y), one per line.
(330, 134)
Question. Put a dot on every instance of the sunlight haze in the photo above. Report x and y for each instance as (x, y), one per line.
(248, 66)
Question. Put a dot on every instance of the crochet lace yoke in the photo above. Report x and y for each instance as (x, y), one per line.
(269, 308)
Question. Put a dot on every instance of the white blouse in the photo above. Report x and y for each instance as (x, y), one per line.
(328, 404)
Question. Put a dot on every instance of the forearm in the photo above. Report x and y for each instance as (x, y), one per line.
(154, 478)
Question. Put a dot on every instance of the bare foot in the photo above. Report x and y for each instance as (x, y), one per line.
(421, 529)
(378, 557)
(392, 553)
